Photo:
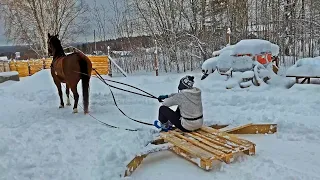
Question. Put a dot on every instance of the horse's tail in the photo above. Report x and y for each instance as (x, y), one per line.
(85, 69)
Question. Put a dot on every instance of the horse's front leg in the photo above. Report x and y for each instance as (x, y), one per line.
(58, 84)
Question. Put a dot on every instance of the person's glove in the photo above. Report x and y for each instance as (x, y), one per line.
(162, 97)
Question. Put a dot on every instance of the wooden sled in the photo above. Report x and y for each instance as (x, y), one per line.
(207, 145)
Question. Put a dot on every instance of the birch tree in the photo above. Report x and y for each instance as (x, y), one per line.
(29, 21)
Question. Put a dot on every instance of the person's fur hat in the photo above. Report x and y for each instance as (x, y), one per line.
(186, 83)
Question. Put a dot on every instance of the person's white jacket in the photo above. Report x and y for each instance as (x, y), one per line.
(190, 104)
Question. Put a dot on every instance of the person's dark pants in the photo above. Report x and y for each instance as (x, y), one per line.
(166, 114)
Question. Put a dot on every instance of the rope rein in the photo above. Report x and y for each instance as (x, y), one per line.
(111, 126)
(115, 102)
(113, 97)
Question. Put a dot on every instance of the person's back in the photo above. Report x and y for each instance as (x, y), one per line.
(189, 115)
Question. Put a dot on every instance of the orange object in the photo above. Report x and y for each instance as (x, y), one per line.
(264, 58)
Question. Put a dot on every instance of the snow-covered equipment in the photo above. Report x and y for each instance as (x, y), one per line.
(242, 57)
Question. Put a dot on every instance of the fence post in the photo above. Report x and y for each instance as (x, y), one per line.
(110, 68)
(156, 59)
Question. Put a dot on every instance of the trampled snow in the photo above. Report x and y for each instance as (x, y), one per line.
(41, 141)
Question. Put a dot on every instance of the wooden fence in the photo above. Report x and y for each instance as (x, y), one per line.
(30, 67)
(4, 66)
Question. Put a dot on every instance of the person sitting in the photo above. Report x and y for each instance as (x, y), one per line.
(189, 114)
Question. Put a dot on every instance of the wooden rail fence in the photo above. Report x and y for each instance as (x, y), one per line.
(30, 67)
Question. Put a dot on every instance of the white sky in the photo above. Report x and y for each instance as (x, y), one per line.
(3, 41)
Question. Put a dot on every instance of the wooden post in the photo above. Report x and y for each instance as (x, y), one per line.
(110, 68)
(156, 59)
(228, 36)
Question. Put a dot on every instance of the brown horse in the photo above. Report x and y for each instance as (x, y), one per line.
(70, 69)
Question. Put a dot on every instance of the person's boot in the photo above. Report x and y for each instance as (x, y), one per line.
(163, 126)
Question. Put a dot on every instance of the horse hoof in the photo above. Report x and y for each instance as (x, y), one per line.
(61, 106)
(68, 104)
(75, 110)
(86, 112)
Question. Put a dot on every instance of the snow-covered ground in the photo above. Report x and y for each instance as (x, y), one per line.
(40, 141)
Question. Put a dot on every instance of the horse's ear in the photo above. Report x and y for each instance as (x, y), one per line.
(57, 35)
(48, 34)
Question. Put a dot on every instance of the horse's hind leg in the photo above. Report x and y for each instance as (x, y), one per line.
(76, 98)
(68, 93)
(58, 84)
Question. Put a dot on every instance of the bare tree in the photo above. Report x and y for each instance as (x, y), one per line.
(29, 21)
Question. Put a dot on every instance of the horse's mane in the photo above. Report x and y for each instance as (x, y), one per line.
(57, 45)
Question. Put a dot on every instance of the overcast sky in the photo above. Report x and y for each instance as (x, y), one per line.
(3, 41)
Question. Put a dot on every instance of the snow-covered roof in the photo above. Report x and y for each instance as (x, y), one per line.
(252, 46)
(3, 58)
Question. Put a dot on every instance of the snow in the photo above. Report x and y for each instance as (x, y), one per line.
(3, 58)
(247, 74)
(241, 63)
(226, 48)
(252, 46)
(210, 65)
(8, 74)
(305, 67)
(41, 141)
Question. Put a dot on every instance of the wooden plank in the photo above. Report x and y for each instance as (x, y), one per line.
(188, 147)
(212, 143)
(134, 164)
(238, 127)
(219, 126)
(253, 129)
(204, 164)
(216, 152)
(220, 140)
(137, 160)
(227, 136)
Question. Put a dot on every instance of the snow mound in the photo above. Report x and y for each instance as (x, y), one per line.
(305, 67)
(308, 62)
(247, 74)
(210, 65)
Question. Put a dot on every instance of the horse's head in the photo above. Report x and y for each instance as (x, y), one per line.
(53, 43)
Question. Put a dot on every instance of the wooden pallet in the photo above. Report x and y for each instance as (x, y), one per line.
(206, 145)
